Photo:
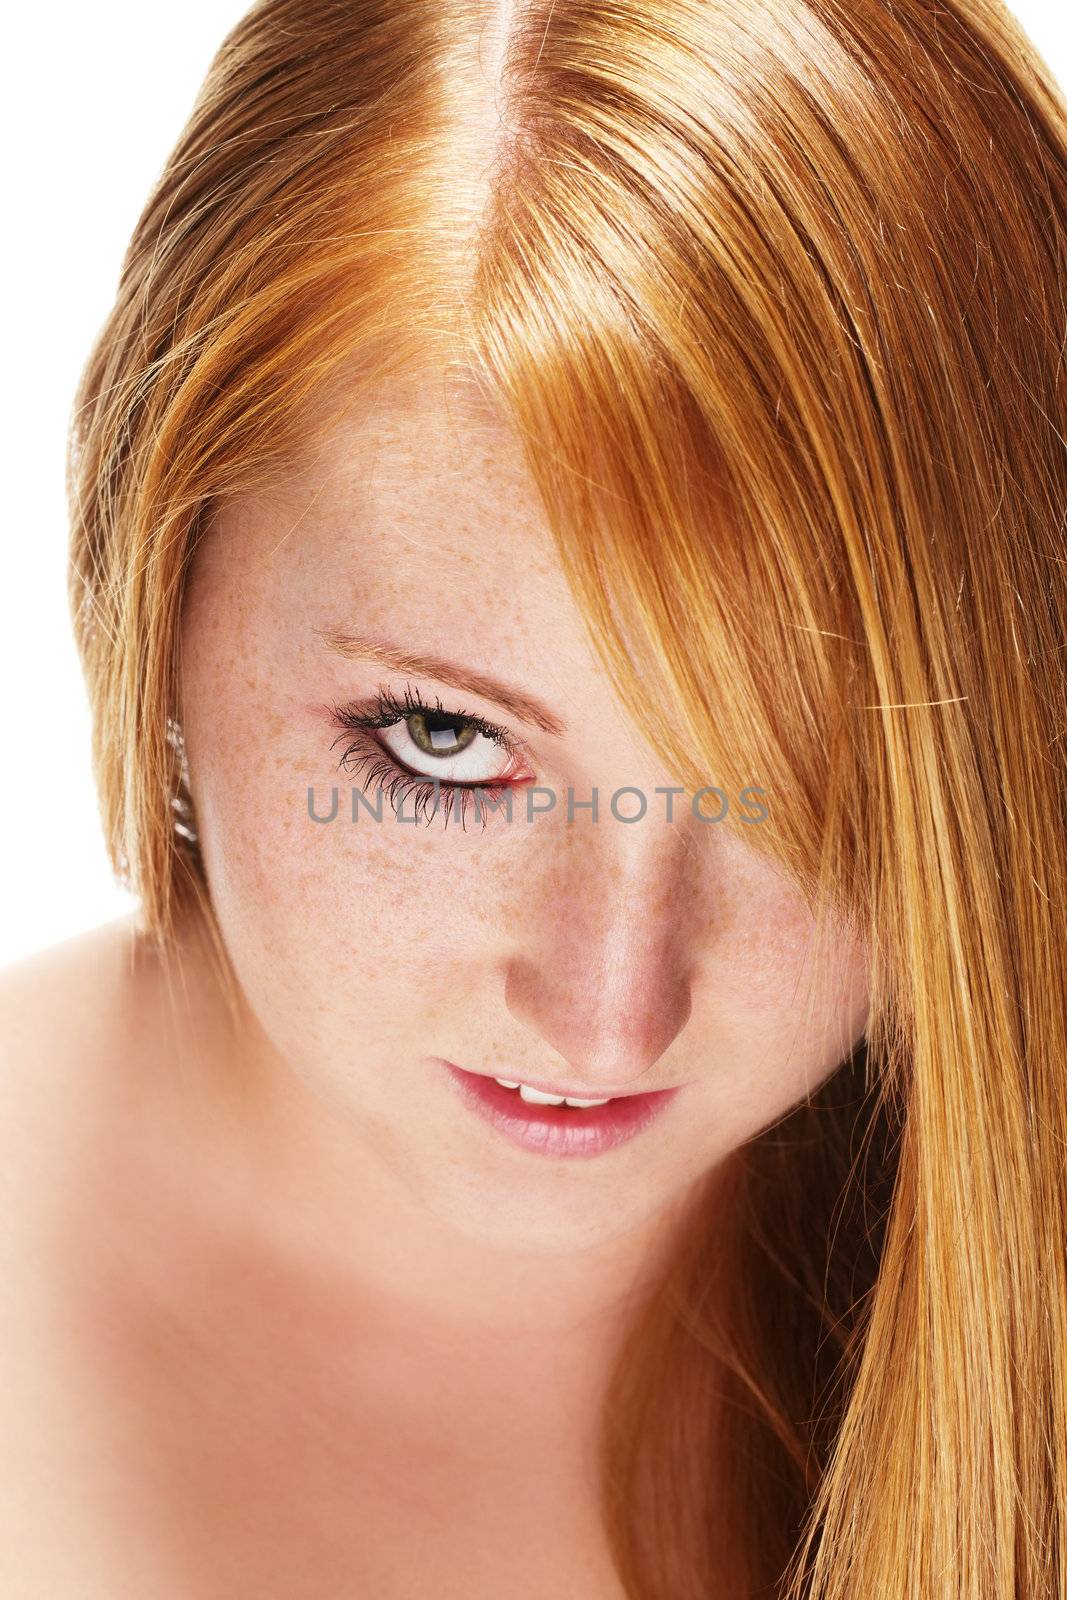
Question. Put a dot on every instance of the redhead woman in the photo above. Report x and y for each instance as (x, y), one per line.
(568, 562)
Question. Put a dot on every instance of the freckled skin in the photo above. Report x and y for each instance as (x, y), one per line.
(606, 954)
(321, 1330)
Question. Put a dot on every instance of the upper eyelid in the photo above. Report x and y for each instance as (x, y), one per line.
(421, 665)
(487, 725)
(511, 742)
(503, 742)
(513, 748)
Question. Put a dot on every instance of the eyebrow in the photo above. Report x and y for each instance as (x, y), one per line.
(357, 647)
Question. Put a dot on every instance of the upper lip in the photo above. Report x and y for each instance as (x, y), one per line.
(588, 1092)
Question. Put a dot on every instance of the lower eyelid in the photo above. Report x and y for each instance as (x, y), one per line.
(446, 783)
(504, 753)
(365, 744)
(424, 789)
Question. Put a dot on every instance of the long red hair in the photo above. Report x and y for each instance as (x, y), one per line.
(775, 295)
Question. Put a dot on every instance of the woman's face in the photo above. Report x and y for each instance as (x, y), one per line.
(597, 956)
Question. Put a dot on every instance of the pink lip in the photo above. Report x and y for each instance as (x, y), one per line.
(558, 1130)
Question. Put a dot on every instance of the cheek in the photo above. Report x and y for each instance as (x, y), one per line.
(790, 1013)
(331, 927)
(337, 929)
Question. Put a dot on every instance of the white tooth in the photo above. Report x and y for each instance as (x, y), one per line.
(534, 1097)
(507, 1083)
(572, 1102)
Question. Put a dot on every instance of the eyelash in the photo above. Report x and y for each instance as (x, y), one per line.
(385, 710)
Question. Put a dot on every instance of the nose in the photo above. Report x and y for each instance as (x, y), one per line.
(602, 975)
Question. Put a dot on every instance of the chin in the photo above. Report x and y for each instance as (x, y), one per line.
(555, 1211)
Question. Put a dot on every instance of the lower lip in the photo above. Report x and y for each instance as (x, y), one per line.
(559, 1130)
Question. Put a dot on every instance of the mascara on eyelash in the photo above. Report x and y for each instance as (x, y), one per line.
(389, 710)
(396, 785)
(381, 767)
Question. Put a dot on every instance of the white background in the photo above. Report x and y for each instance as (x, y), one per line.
(94, 97)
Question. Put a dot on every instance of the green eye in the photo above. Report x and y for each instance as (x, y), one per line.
(456, 749)
(434, 732)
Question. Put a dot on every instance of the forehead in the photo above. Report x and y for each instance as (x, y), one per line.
(409, 518)
(421, 482)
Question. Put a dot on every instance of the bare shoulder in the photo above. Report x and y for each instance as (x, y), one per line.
(100, 1039)
(66, 986)
(95, 1033)
(64, 1009)
(82, 1026)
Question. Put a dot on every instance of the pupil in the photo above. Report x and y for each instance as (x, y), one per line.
(435, 732)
